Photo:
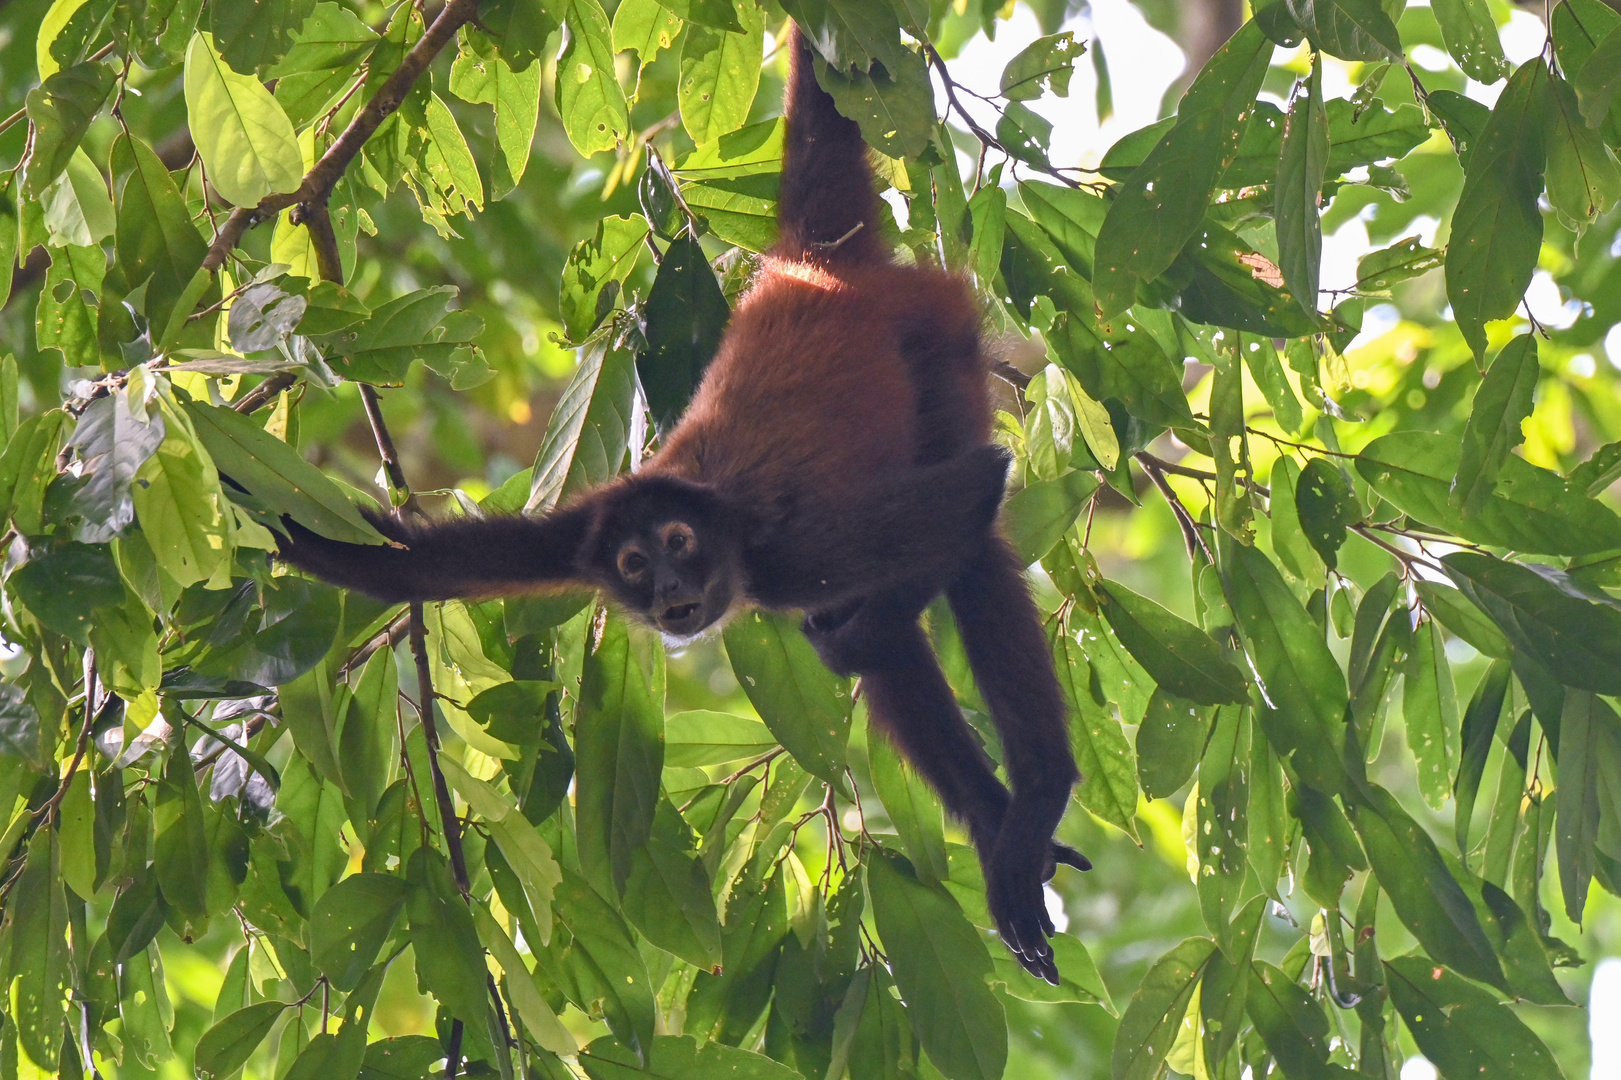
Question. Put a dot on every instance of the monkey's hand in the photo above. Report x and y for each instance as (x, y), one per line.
(1014, 877)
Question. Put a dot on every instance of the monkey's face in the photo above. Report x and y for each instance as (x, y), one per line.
(670, 553)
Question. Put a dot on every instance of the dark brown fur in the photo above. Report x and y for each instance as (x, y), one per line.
(836, 459)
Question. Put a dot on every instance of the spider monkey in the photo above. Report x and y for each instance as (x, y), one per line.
(835, 460)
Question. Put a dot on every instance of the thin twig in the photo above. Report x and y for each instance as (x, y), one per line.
(260, 395)
(399, 492)
(55, 800)
(985, 137)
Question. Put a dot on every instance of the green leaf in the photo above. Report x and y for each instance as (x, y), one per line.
(1265, 366)
(112, 442)
(720, 72)
(1599, 78)
(77, 208)
(1044, 65)
(1182, 659)
(589, 430)
(1160, 206)
(594, 269)
(607, 963)
(1349, 29)
(181, 850)
(1502, 404)
(258, 34)
(619, 743)
(1454, 611)
(414, 326)
(675, 1057)
(278, 476)
(1479, 726)
(67, 317)
(1151, 1021)
(1222, 827)
(295, 627)
(805, 705)
(539, 1021)
(1542, 612)
(1302, 689)
(521, 27)
(1497, 228)
(1529, 510)
(65, 584)
(1430, 709)
(445, 177)
(1589, 754)
(741, 211)
(699, 737)
(1427, 898)
(913, 808)
(450, 960)
(589, 98)
(245, 140)
(515, 96)
(1288, 1019)
(38, 919)
(1289, 541)
(893, 101)
(1108, 785)
(331, 46)
(1169, 743)
(1326, 506)
(667, 895)
(940, 965)
(1583, 178)
(684, 317)
(1038, 515)
(1301, 166)
(351, 921)
(1470, 34)
(1378, 270)
(226, 1047)
(1462, 1028)
(644, 27)
(157, 241)
(60, 110)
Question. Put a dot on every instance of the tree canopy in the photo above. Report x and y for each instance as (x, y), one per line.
(1330, 566)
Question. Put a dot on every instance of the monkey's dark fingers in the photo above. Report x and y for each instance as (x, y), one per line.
(1022, 921)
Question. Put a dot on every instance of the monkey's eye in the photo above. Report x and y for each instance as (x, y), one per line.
(679, 539)
(632, 565)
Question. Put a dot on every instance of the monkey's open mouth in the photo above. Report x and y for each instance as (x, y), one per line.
(678, 613)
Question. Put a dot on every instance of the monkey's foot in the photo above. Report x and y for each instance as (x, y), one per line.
(1018, 904)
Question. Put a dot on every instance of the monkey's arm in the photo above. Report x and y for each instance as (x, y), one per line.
(919, 524)
(444, 560)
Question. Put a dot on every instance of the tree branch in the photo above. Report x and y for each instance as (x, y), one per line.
(318, 184)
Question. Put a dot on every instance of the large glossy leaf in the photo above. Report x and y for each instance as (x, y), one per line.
(589, 97)
(60, 110)
(38, 916)
(589, 430)
(594, 268)
(720, 72)
(1430, 711)
(1427, 898)
(1480, 720)
(245, 139)
(619, 748)
(449, 957)
(1461, 1028)
(350, 923)
(679, 1058)
(1182, 658)
(64, 585)
(411, 327)
(278, 476)
(893, 102)
(1573, 634)
(1169, 742)
(1583, 178)
(1497, 228)
(1530, 509)
(683, 319)
(539, 1021)
(1108, 777)
(1158, 208)
(804, 704)
(1589, 755)
(701, 737)
(913, 808)
(253, 35)
(226, 1047)
(1289, 1020)
(1150, 1023)
(157, 241)
(1470, 34)
(293, 630)
(607, 963)
(1502, 404)
(1039, 514)
(1302, 689)
(940, 965)
(1301, 167)
(667, 895)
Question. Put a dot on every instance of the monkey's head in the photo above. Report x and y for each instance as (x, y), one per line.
(670, 551)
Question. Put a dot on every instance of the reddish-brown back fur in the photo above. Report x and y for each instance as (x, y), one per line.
(838, 366)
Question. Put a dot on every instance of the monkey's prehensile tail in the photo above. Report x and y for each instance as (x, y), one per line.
(827, 211)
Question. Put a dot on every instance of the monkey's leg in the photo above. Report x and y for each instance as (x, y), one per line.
(907, 695)
(1012, 663)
